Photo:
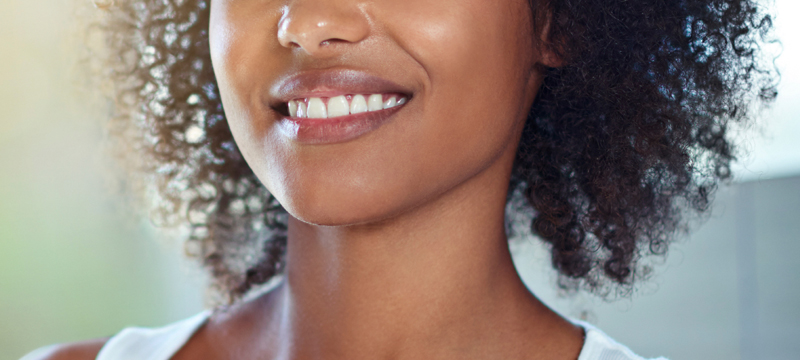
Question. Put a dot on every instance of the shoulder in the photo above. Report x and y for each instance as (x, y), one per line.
(229, 331)
(84, 350)
(597, 345)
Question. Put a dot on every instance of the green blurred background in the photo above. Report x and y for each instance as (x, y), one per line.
(74, 264)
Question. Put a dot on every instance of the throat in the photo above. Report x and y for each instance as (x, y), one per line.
(363, 292)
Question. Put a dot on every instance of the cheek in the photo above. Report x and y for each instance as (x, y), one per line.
(477, 56)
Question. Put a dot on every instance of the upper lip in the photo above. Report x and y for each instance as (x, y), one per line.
(330, 83)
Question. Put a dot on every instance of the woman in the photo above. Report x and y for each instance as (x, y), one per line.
(368, 152)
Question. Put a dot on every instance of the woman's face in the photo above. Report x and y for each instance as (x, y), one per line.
(461, 73)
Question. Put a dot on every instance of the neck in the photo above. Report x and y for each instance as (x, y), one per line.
(432, 280)
(391, 280)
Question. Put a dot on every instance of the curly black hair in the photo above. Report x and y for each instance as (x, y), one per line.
(622, 141)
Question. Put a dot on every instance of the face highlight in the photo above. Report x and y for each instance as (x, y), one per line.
(354, 111)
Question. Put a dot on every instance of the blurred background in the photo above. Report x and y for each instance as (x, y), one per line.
(75, 265)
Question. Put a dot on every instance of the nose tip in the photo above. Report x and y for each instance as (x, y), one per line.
(314, 25)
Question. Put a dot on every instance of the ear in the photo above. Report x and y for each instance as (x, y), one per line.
(549, 56)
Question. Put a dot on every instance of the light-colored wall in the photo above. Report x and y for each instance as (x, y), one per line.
(729, 291)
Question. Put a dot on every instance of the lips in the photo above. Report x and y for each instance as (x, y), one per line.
(323, 107)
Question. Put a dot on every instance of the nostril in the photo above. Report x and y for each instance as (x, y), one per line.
(314, 26)
(332, 41)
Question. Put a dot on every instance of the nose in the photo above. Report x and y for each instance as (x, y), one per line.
(314, 25)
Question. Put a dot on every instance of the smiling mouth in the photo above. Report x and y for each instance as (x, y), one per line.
(341, 118)
(335, 105)
(343, 105)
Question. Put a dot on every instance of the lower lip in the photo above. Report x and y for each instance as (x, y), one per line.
(335, 130)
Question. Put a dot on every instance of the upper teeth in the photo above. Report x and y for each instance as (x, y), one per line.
(316, 108)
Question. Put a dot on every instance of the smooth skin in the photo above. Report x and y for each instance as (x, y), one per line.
(397, 247)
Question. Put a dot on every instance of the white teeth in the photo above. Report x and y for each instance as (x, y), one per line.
(375, 102)
(392, 102)
(358, 105)
(337, 106)
(317, 108)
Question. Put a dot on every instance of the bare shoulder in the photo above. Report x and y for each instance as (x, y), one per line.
(230, 331)
(83, 350)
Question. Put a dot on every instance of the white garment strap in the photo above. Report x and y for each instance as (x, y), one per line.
(40, 353)
(599, 346)
(152, 344)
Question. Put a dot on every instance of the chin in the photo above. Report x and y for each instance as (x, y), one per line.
(336, 212)
(319, 216)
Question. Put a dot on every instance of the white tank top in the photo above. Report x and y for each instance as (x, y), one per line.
(162, 343)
